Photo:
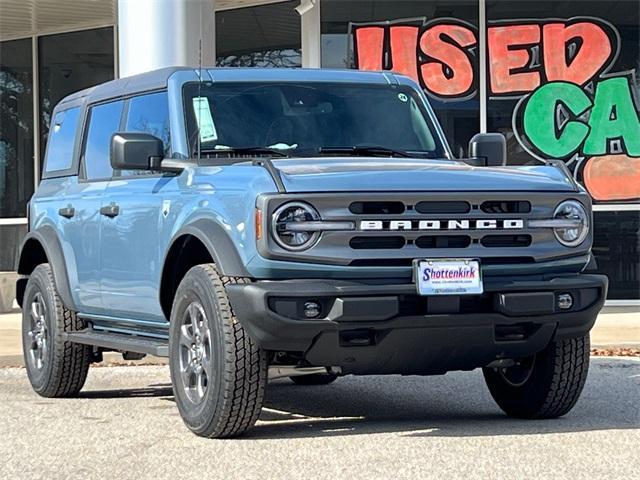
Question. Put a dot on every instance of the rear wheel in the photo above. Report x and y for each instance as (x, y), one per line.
(314, 379)
(218, 373)
(55, 367)
(546, 385)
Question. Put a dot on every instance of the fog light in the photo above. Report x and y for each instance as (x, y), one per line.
(311, 309)
(565, 301)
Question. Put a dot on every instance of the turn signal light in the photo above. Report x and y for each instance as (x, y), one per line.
(258, 224)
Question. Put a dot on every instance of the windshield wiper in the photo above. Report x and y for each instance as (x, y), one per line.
(373, 150)
(247, 151)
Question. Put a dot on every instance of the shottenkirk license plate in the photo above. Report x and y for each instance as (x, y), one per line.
(444, 276)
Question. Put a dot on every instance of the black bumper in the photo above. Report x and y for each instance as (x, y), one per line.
(375, 329)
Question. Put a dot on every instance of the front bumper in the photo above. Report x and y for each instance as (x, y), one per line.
(367, 328)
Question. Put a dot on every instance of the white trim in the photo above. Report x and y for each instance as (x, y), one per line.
(13, 221)
(617, 207)
(622, 303)
(482, 63)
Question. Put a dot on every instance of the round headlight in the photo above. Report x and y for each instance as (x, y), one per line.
(577, 228)
(294, 238)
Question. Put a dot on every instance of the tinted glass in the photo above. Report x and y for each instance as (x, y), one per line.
(150, 114)
(300, 118)
(262, 36)
(432, 41)
(69, 62)
(616, 246)
(62, 139)
(104, 120)
(16, 129)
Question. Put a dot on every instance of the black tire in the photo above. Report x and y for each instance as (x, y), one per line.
(549, 388)
(55, 367)
(220, 397)
(315, 379)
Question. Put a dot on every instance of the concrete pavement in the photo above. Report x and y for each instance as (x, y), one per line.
(125, 425)
(615, 327)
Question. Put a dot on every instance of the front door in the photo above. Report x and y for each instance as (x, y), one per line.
(134, 234)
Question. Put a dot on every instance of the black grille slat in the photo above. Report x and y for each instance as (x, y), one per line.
(506, 206)
(443, 241)
(443, 207)
(377, 243)
(377, 208)
(503, 241)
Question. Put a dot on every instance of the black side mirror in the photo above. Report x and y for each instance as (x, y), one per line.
(490, 148)
(136, 151)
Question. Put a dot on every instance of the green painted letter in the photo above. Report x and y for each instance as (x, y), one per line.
(540, 119)
(613, 116)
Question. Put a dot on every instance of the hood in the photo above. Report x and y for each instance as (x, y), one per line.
(336, 174)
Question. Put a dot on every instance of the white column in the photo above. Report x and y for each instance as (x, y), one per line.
(311, 48)
(154, 34)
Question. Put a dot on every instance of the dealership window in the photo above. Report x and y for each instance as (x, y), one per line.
(261, 36)
(16, 143)
(434, 42)
(69, 62)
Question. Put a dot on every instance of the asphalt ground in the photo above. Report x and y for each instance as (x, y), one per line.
(125, 425)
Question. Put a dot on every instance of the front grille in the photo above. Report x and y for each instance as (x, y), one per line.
(391, 229)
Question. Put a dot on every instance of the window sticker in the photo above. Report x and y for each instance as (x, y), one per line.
(207, 128)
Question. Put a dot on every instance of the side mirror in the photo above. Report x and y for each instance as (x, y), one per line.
(136, 151)
(490, 148)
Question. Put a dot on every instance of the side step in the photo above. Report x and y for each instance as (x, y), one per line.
(120, 342)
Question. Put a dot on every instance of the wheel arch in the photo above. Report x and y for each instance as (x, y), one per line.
(203, 241)
(43, 246)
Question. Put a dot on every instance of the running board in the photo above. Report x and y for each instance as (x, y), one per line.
(120, 342)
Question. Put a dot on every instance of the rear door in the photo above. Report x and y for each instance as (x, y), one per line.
(83, 231)
(134, 239)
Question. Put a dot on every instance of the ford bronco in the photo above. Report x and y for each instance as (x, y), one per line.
(251, 224)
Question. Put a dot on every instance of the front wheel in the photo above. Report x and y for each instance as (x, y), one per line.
(218, 373)
(546, 385)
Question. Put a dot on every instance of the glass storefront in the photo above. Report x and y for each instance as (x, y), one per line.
(67, 62)
(560, 81)
(261, 36)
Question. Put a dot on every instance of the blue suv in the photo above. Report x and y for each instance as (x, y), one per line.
(253, 224)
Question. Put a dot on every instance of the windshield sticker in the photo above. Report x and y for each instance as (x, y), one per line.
(403, 97)
(204, 119)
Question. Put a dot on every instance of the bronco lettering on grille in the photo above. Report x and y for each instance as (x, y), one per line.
(480, 224)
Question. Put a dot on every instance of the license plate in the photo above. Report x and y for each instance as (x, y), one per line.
(444, 276)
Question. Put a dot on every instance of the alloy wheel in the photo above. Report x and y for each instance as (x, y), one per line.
(38, 342)
(195, 353)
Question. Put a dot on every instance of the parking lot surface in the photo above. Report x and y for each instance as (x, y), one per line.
(125, 425)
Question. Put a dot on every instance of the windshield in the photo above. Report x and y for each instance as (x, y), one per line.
(309, 118)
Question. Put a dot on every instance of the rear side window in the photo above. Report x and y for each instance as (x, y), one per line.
(104, 121)
(62, 138)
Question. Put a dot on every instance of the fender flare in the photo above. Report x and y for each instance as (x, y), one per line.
(47, 237)
(217, 242)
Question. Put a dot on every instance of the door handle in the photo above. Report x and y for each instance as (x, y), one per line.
(67, 212)
(110, 211)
